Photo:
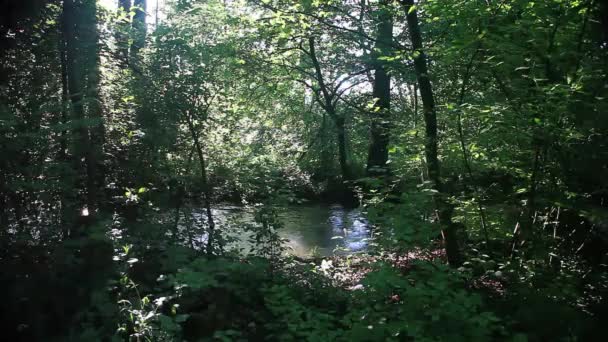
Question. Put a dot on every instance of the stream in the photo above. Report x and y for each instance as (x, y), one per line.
(313, 229)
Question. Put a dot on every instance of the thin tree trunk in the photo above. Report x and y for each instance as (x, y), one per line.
(581, 38)
(380, 123)
(156, 15)
(4, 221)
(531, 204)
(465, 154)
(63, 135)
(328, 104)
(205, 183)
(63, 144)
(423, 168)
(539, 137)
(342, 150)
(444, 210)
(64, 192)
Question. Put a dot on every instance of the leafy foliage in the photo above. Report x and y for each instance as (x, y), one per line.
(122, 134)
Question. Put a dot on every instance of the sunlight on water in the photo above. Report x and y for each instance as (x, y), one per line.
(310, 229)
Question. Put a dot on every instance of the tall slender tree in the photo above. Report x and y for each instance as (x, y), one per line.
(122, 41)
(82, 71)
(135, 26)
(139, 27)
(94, 109)
(443, 209)
(328, 99)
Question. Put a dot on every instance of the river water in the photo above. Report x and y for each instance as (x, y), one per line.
(316, 229)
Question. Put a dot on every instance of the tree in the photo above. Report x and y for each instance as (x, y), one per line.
(328, 97)
(80, 35)
(131, 29)
(123, 28)
(139, 27)
(326, 67)
(443, 209)
(381, 117)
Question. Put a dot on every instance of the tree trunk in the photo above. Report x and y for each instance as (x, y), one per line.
(122, 39)
(444, 210)
(603, 16)
(205, 183)
(328, 104)
(380, 123)
(94, 109)
(125, 5)
(342, 150)
(139, 27)
(63, 144)
(463, 147)
(75, 69)
(4, 221)
(65, 191)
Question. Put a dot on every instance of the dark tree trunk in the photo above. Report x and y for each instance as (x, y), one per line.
(380, 123)
(603, 16)
(342, 150)
(205, 183)
(125, 5)
(444, 210)
(94, 109)
(81, 62)
(72, 13)
(139, 27)
(63, 144)
(65, 190)
(3, 205)
(122, 39)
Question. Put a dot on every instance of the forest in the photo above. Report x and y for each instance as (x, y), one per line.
(303, 170)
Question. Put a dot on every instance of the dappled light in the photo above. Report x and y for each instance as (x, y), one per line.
(311, 170)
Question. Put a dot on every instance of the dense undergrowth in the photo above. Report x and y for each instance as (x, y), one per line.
(471, 134)
(131, 285)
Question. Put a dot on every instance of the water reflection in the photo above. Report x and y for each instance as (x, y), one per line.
(325, 230)
(309, 229)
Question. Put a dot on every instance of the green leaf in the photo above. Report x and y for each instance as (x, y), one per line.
(412, 9)
(128, 99)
